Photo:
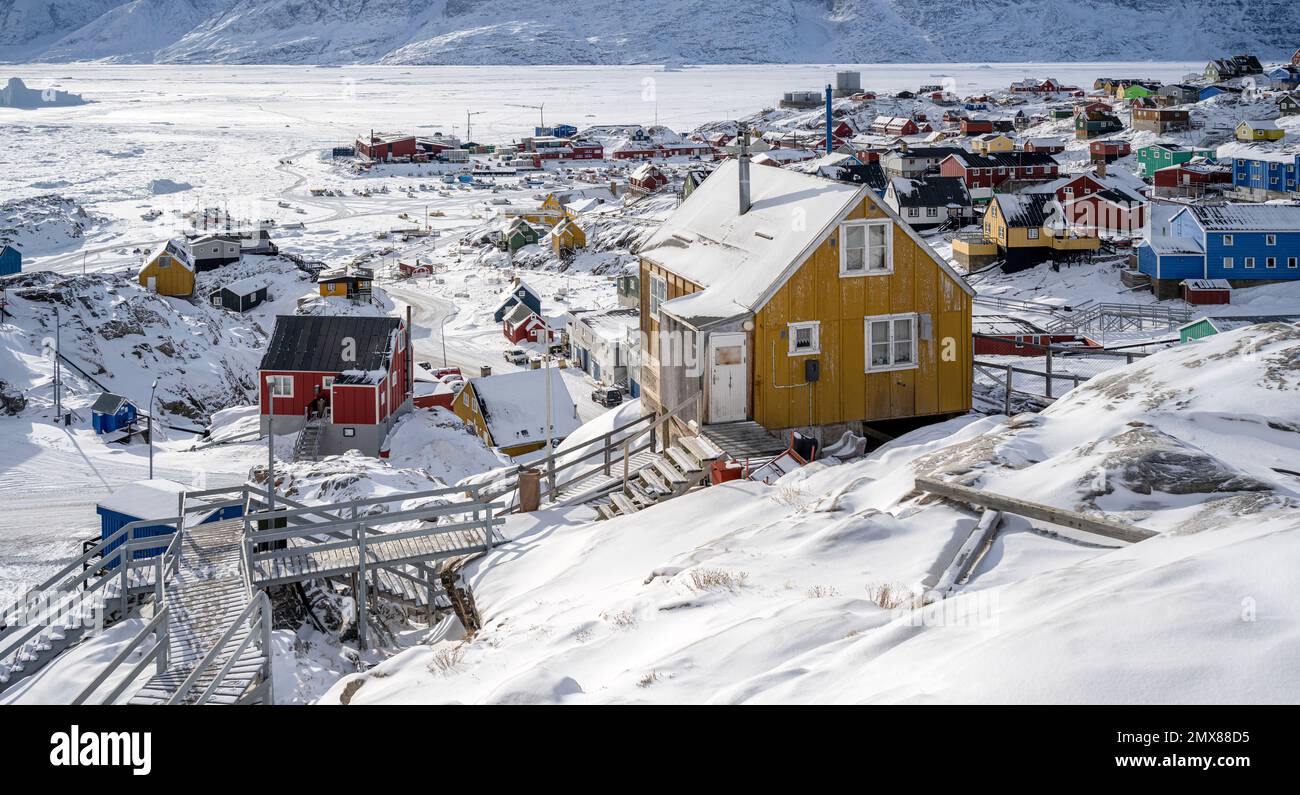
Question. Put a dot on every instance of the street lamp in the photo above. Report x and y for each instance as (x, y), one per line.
(443, 333)
(152, 388)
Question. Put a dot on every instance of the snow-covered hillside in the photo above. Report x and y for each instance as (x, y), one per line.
(808, 590)
(660, 31)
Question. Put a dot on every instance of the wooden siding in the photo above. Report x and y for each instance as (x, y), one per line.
(677, 287)
(174, 279)
(845, 392)
(354, 404)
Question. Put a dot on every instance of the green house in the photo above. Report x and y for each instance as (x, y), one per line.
(520, 234)
(1061, 113)
(1207, 327)
(1134, 91)
(1162, 155)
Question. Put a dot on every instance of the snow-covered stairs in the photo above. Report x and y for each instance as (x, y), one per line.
(682, 467)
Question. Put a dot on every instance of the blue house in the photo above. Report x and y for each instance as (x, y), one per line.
(1263, 175)
(112, 413)
(519, 291)
(145, 500)
(11, 261)
(559, 131)
(1243, 243)
(1214, 91)
(1284, 78)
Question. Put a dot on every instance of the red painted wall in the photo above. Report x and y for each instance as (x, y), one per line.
(354, 404)
(304, 391)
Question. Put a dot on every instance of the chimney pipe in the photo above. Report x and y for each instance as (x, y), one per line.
(829, 147)
(743, 164)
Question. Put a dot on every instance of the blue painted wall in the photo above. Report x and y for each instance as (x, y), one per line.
(1266, 175)
(106, 423)
(112, 521)
(11, 261)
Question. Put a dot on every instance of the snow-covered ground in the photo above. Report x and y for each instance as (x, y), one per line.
(807, 590)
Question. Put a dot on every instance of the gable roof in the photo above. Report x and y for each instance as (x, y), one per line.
(513, 406)
(740, 260)
(108, 403)
(1004, 159)
(1026, 210)
(316, 343)
(177, 251)
(930, 192)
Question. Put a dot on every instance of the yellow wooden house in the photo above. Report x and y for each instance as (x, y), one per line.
(567, 237)
(993, 142)
(1265, 130)
(508, 411)
(1023, 230)
(798, 302)
(169, 270)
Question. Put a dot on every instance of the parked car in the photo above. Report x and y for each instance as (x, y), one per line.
(516, 356)
(607, 396)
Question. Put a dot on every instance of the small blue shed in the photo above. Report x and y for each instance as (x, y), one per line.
(150, 499)
(112, 413)
(11, 261)
(564, 131)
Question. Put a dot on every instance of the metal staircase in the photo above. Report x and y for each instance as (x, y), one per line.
(307, 446)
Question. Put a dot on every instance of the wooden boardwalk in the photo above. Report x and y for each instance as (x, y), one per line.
(304, 560)
(744, 440)
(204, 599)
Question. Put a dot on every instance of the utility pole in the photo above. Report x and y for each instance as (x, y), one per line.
(270, 444)
(152, 388)
(468, 116)
(58, 368)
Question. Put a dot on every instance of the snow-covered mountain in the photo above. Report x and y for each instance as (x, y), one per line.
(651, 31)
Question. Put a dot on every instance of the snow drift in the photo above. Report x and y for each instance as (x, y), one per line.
(807, 590)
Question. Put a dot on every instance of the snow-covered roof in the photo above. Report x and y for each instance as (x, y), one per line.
(738, 257)
(146, 499)
(1247, 217)
(741, 259)
(514, 406)
(246, 286)
(178, 250)
(1206, 284)
(1245, 151)
(1260, 124)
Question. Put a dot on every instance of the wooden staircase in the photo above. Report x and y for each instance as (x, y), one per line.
(677, 470)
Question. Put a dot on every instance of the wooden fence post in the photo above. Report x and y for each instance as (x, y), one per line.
(1006, 398)
(1048, 377)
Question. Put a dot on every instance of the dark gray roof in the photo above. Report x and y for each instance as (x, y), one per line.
(1005, 159)
(316, 343)
(108, 403)
(931, 192)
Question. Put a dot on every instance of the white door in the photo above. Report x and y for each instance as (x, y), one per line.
(153, 283)
(728, 381)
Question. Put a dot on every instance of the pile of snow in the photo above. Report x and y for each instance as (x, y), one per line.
(807, 590)
(159, 187)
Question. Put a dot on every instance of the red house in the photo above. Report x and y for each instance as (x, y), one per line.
(587, 150)
(386, 146)
(1096, 205)
(894, 125)
(522, 324)
(971, 126)
(1108, 151)
(648, 178)
(1050, 146)
(417, 268)
(1004, 335)
(991, 170)
(1192, 179)
(349, 377)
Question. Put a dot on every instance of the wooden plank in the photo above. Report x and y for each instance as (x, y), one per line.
(1035, 510)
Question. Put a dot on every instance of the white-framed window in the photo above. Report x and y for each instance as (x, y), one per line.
(1250, 262)
(805, 338)
(1271, 262)
(1227, 240)
(1291, 262)
(1227, 263)
(1032, 233)
(281, 386)
(658, 294)
(890, 341)
(866, 248)
(913, 212)
(326, 383)
(1270, 240)
(931, 212)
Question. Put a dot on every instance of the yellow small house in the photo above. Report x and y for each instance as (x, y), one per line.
(1265, 130)
(1026, 229)
(346, 282)
(169, 270)
(800, 303)
(567, 237)
(993, 142)
(508, 411)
